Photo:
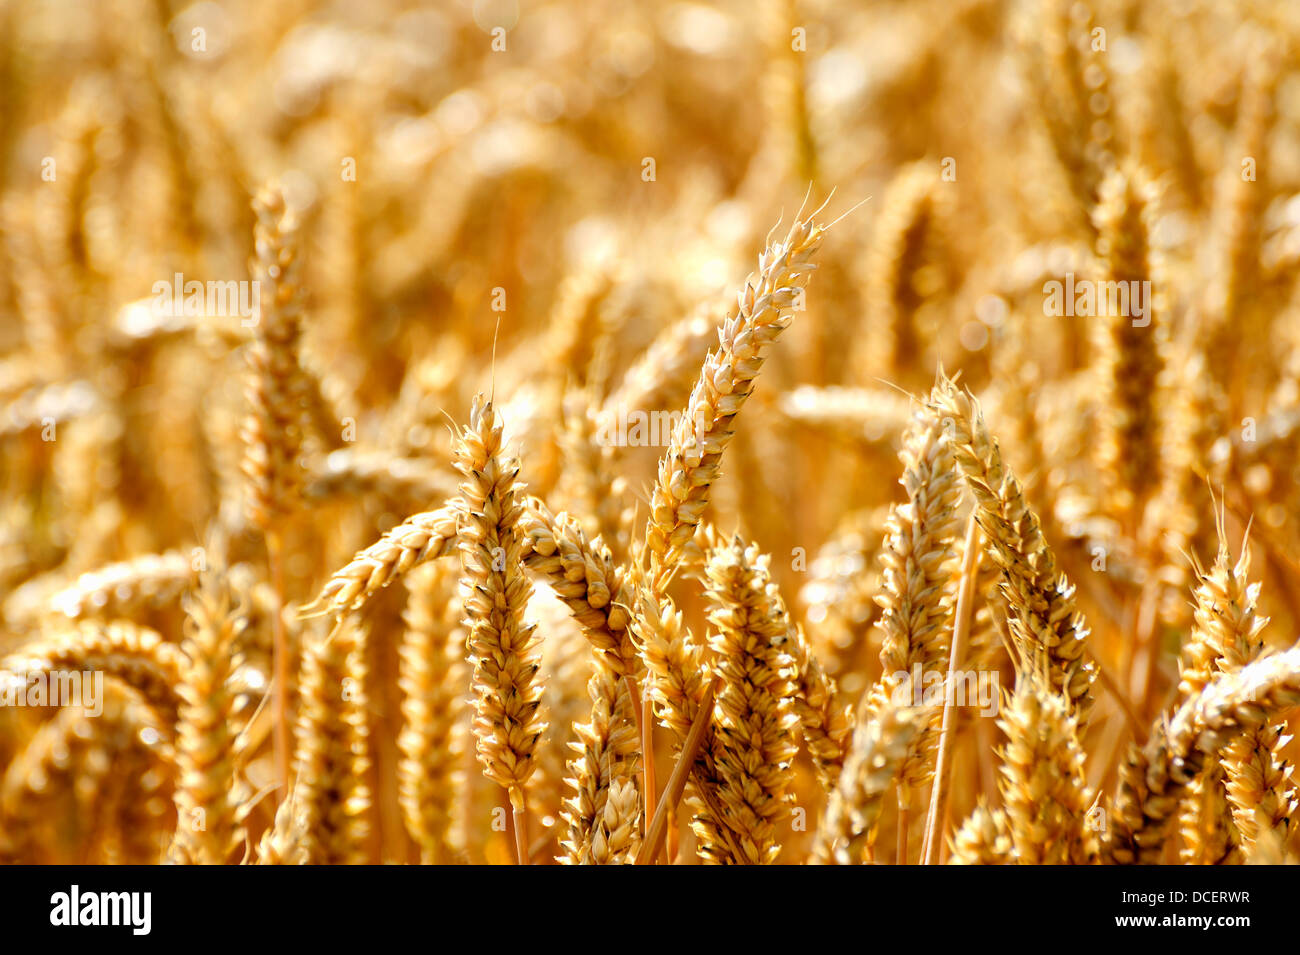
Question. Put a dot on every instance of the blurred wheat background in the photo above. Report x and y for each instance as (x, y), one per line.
(391, 568)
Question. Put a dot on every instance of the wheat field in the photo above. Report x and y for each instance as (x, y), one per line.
(796, 432)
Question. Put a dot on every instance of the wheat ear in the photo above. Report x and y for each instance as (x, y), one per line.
(825, 716)
(123, 589)
(601, 816)
(211, 793)
(136, 655)
(433, 682)
(421, 537)
(1225, 637)
(332, 760)
(754, 740)
(583, 573)
(1045, 617)
(273, 431)
(502, 648)
(983, 839)
(880, 745)
(1154, 779)
(1131, 356)
(1043, 786)
(678, 687)
(692, 462)
(917, 560)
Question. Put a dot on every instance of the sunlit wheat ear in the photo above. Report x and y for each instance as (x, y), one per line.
(1154, 778)
(433, 681)
(1045, 617)
(662, 372)
(136, 655)
(1227, 635)
(285, 841)
(767, 306)
(332, 762)
(1131, 343)
(983, 839)
(825, 716)
(868, 418)
(878, 750)
(1068, 78)
(126, 588)
(582, 572)
(840, 596)
(397, 482)
(212, 795)
(901, 260)
(494, 591)
(677, 675)
(1043, 786)
(422, 537)
(754, 741)
(273, 430)
(601, 811)
(590, 485)
(917, 594)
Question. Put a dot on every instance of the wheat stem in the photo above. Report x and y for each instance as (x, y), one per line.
(960, 635)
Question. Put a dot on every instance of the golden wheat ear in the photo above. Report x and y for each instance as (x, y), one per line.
(494, 590)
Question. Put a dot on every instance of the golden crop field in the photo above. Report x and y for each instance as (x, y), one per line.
(788, 431)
